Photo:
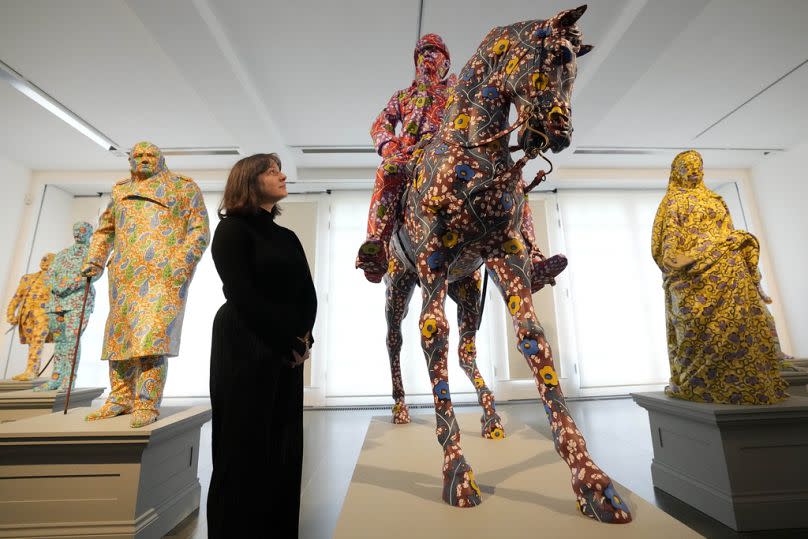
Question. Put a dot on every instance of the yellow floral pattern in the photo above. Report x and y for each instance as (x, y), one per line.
(157, 230)
(28, 310)
(722, 343)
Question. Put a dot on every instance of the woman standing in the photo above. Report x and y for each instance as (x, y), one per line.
(261, 337)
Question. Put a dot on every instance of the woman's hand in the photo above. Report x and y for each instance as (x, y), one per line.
(297, 358)
(765, 297)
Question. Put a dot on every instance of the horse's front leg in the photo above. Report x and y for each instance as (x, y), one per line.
(459, 487)
(399, 285)
(466, 293)
(596, 495)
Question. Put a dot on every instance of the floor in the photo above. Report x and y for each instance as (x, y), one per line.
(616, 431)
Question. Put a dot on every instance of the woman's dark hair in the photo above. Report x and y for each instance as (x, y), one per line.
(242, 195)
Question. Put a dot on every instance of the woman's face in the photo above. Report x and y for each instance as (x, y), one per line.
(272, 184)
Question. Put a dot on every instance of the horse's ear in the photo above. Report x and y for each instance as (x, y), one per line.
(585, 49)
(570, 17)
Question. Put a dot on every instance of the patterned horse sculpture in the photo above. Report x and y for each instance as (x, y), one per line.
(464, 208)
(400, 282)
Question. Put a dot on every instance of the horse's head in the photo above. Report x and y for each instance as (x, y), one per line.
(539, 77)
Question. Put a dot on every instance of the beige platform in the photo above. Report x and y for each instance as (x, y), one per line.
(396, 489)
(61, 476)
(16, 405)
(15, 385)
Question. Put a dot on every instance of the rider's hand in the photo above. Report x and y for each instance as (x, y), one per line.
(393, 146)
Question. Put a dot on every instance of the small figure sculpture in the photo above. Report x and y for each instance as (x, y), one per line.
(722, 343)
(156, 226)
(67, 293)
(28, 310)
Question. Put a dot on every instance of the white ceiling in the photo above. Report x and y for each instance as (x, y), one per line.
(277, 76)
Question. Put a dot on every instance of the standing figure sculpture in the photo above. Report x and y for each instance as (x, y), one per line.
(465, 207)
(28, 310)
(722, 342)
(156, 227)
(67, 293)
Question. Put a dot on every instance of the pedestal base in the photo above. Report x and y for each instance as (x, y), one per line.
(797, 377)
(742, 465)
(15, 385)
(66, 477)
(16, 405)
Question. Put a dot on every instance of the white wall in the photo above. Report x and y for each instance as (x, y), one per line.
(780, 185)
(14, 183)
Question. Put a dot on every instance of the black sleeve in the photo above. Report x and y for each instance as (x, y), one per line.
(309, 303)
(231, 249)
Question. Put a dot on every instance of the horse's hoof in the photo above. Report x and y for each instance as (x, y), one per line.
(401, 413)
(606, 506)
(459, 486)
(492, 428)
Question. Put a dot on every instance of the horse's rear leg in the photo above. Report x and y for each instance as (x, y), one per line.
(466, 294)
(459, 487)
(399, 285)
(597, 497)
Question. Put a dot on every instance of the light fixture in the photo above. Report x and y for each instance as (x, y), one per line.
(37, 94)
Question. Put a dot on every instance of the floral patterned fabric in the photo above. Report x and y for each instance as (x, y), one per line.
(722, 343)
(465, 206)
(28, 310)
(67, 284)
(157, 230)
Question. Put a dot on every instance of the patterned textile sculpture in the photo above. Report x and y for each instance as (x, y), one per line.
(156, 226)
(28, 310)
(419, 109)
(465, 206)
(67, 285)
(722, 343)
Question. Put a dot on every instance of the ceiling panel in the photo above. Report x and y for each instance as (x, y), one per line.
(325, 69)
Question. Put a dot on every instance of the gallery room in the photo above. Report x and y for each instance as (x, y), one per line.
(258, 257)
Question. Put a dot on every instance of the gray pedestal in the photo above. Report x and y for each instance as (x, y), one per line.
(742, 465)
(61, 476)
(15, 385)
(16, 405)
(797, 377)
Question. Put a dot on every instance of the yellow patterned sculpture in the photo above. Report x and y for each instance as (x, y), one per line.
(28, 310)
(156, 227)
(722, 343)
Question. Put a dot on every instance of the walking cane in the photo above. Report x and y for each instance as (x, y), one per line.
(46, 365)
(76, 348)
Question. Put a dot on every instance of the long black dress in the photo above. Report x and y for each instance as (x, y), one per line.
(257, 399)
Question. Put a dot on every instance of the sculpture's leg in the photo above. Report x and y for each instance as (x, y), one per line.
(36, 342)
(122, 375)
(596, 495)
(400, 284)
(149, 391)
(61, 351)
(466, 293)
(459, 487)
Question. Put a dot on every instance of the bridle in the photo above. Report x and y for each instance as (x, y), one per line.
(527, 113)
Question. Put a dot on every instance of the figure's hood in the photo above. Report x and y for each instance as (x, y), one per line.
(687, 170)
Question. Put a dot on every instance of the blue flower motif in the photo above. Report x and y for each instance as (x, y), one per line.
(441, 149)
(489, 92)
(615, 499)
(507, 201)
(466, 74)
(542, 32)
(464, 172)
(441, 390)
(529, 347)
(436, 260)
